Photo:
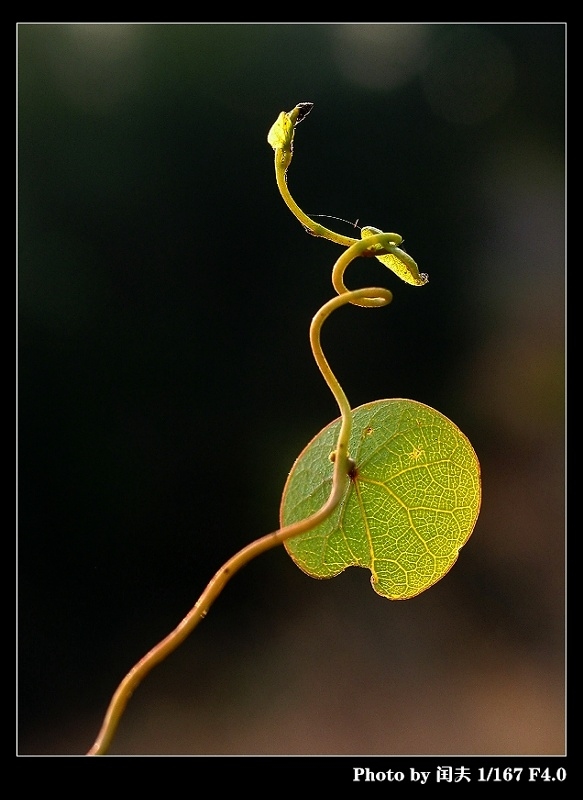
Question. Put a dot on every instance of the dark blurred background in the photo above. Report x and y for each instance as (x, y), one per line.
(165, 381)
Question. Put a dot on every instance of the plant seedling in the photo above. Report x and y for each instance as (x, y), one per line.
(393, 486)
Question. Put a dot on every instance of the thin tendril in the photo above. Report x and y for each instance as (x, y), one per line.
(312, 227)
(361, 248)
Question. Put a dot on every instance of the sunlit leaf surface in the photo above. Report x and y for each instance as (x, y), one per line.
(411, 504)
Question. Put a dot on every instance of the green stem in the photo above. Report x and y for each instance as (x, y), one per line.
(200, 609)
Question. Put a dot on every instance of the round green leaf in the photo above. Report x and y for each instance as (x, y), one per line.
(411, 504)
